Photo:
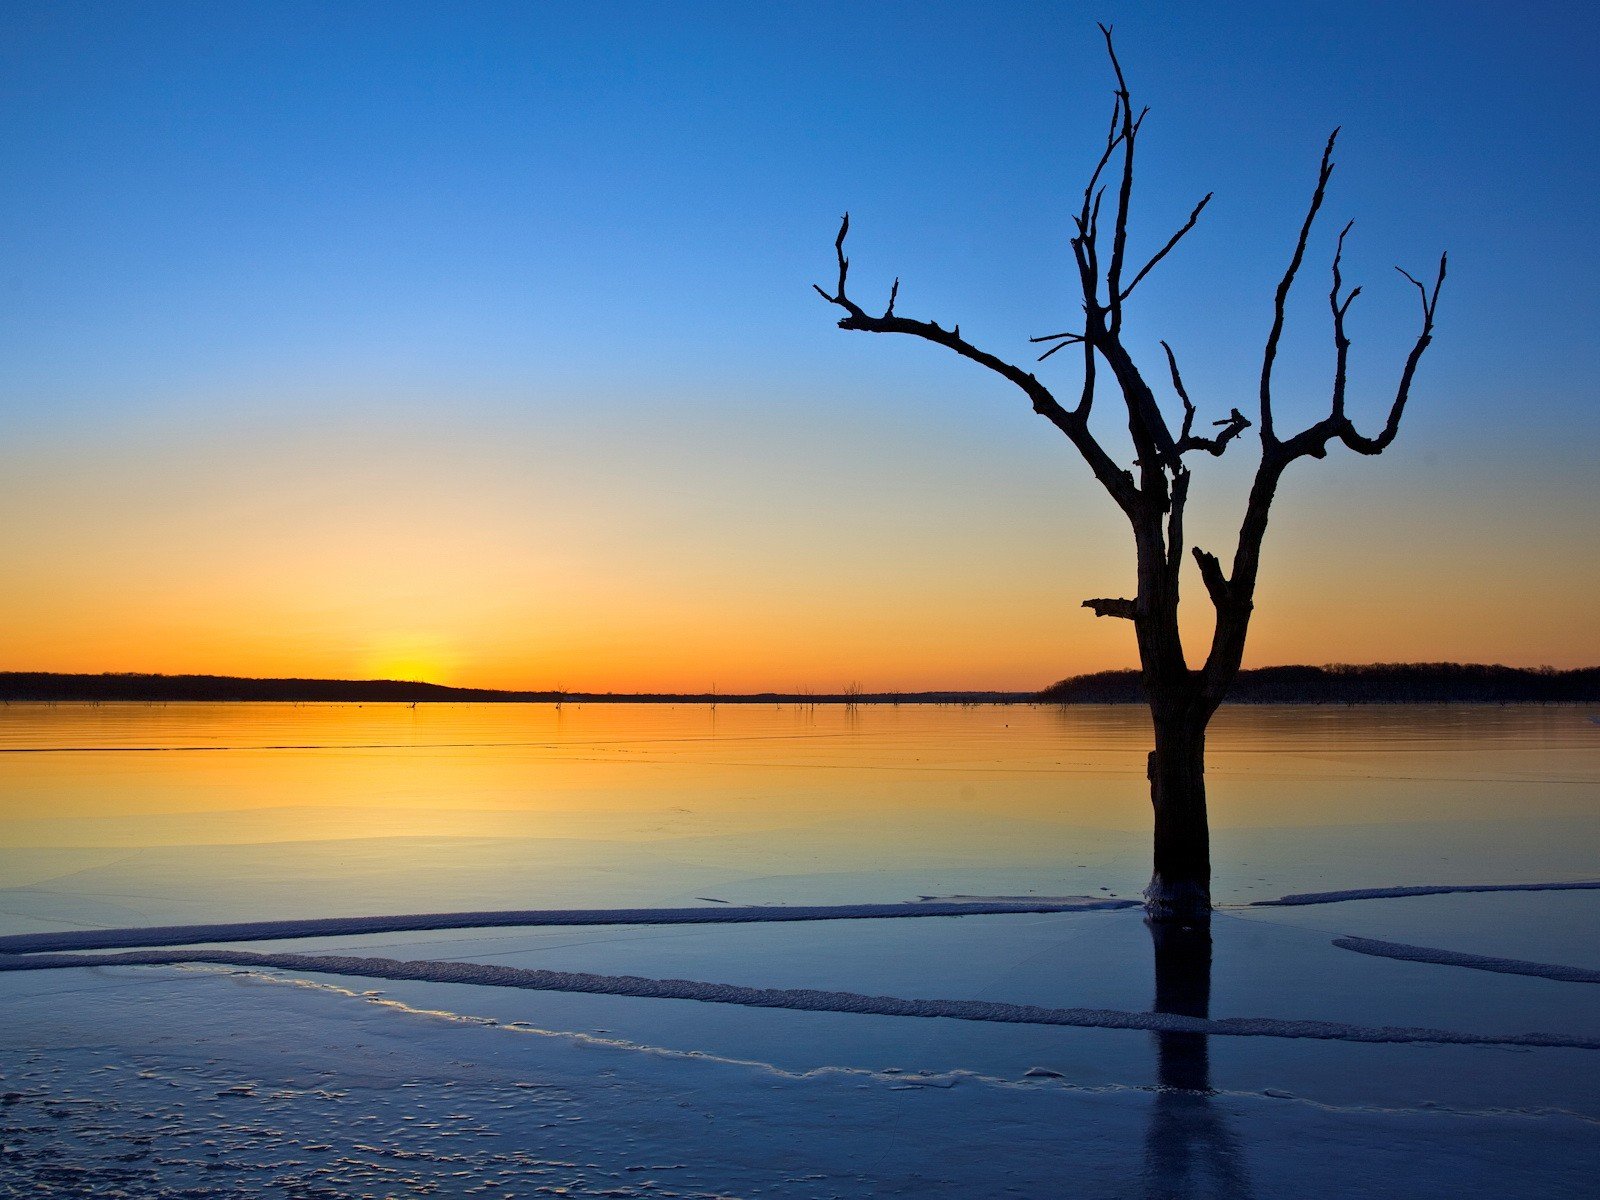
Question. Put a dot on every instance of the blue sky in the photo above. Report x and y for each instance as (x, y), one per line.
(577, 241)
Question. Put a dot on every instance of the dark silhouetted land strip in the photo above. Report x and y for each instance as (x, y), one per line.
(1383, 683)
(1380, 683)
(49, 686)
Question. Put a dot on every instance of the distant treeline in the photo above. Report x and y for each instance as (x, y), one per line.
(49, 686)
(1383, 683)
(1380, 683)
(45, 685)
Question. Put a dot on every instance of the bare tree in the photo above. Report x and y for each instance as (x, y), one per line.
(1153, 493)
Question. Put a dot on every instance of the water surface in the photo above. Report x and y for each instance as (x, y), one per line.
(126, 813)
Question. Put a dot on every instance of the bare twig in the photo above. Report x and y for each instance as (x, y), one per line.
(1341, 343)
(1062, 340)
(1167, 249)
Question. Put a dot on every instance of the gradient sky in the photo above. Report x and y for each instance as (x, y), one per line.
(474, 341)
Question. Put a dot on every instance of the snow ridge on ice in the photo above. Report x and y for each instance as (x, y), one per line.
(1478, 962)
(803, 999)
(256, 931)
(1394, 893)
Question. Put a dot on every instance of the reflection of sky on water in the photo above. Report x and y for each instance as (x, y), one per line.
(135, 813)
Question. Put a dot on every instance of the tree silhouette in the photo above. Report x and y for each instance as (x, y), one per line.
(1153, 493)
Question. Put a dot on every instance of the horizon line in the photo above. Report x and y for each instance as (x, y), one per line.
(853, 693)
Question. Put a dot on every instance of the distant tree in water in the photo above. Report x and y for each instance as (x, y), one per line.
(1152, 494)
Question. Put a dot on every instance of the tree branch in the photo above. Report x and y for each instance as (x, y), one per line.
(1118, 482)
(1090, 214)
(1062, 340)
(1086, 399)
(1268, 435)
(1085, 247)
(1235, 424)
(1119, 235)
(1341, 343)
(1167, 249)
(1152, 440)
(1313, 441)
(1216, 582)
(1112, 608)
(1430, 304)
(1233, 619)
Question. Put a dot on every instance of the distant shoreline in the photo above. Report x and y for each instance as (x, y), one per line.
(1384, 683)
(52, 687)
(1374, 683)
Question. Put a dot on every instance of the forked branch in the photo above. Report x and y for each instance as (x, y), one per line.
(1234, 593)
(1312, 442)
(1430, 304)
(1232, 426)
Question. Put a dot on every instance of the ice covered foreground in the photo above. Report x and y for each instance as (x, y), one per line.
(221, 1085)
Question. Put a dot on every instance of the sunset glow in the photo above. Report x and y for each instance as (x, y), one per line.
(465, 360)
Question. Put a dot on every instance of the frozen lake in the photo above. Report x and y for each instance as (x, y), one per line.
(265, 1079)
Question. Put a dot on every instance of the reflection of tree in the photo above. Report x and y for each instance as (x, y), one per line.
(1189, 1149)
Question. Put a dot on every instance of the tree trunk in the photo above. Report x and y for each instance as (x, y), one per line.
(1180, 887)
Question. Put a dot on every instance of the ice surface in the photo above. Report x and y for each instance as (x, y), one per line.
(225, 1084)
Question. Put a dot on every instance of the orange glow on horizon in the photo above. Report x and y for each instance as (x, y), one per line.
(424, 556)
